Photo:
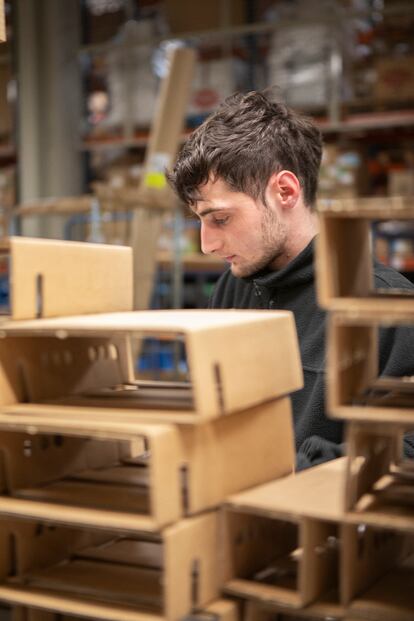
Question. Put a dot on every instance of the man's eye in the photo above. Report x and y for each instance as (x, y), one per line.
(221, 221)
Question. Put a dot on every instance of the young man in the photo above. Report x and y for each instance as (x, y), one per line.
(250, 173)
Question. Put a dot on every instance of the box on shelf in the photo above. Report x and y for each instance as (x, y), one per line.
(105, 576)
(143, 476)
(70, 365)
(181, 17)
(345, 280)
(395, 79)
(49, 278)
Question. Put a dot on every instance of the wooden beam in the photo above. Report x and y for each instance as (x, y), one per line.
(2, 22)
(162, 148)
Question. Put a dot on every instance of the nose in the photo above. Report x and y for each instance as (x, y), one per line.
(210, 239)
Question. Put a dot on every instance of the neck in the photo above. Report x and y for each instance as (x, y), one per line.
(298, 236)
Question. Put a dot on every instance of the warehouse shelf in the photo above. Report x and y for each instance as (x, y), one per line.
(389, 119)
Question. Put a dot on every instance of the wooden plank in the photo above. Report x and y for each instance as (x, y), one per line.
(2, 22)
(162, 147)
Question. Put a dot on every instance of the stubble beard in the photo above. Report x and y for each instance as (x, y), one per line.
(274, 243)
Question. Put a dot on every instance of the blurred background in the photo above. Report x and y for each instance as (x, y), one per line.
(78, 88)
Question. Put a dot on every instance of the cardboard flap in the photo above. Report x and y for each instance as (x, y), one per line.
(317, 492)
(128, 551)
(49, 600)
(102, 582)
(389, 599)
(94, 278)
(94, 496)
(34, 369)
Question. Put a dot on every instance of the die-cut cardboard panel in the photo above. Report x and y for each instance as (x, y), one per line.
(34, 369)
(133, 484)
(343, 260)
(289, 563)
(352, 362)
(256, 610)
(367, 554)
(344, 278)
(355, 390)
(294, 496)
(184, 469)
(390, 598)
(380, 485)
(92, 277)
(166, 576)
(215, 453)
(29, 545)
(371, 454)
(219, 610)
(27, 459)
(233, 363)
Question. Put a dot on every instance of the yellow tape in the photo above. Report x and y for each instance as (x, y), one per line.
(155, 180)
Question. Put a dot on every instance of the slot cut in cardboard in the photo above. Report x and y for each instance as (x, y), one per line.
(344, 261)
(233, 364)
(52, 278)
(282, 538)
(143, 476)
(355, 390)
(97, 575)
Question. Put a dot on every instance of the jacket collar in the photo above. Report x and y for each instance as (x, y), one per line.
(298, 272)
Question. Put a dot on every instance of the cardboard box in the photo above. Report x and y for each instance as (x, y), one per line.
(231, 357)
(97, 575)
(50, 278)
(345, 280)
(275, 534)
(395, 79)
(355, 391)
(143, 476)
(181, 16)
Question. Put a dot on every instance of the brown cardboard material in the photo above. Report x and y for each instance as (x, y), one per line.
(354, 389)
(281, 538)
(344, 256)
(146, 475)
(266, 611)
(2, 22)
(50, 278)
(57, 570)
(232, 362)
(163, 144)
(219, 610)
(379, 482)
(367, 555)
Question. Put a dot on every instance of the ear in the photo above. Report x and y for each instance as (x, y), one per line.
(285, 187)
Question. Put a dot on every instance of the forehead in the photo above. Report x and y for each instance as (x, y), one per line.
(216, 194)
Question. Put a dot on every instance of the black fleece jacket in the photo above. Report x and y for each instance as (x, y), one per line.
(318, 438)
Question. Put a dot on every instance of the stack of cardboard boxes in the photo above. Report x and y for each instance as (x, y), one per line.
(111, 486)
(337, 541)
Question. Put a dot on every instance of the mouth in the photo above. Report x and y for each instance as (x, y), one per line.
(230, 258)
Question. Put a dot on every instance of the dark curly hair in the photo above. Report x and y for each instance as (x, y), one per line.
(244, 142)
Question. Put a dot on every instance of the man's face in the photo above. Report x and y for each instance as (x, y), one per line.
(246, 233)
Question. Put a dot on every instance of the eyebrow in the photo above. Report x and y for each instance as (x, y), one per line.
(207, 210)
